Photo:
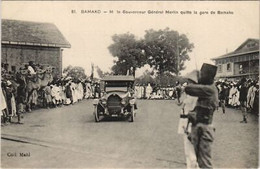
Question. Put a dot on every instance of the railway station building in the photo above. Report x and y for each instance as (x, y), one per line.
(242, 62)
(24, 41)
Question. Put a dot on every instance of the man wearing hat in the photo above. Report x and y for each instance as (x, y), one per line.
(21, 92)
(243, 98)
(31, 68)
(202, 129)
(10, 100)
(189, 103)
(178, 91)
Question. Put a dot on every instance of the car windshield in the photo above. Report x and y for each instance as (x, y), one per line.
(116, 86)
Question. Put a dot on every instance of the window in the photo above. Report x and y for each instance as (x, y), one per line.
(219, 68)
(241, 69)
(229, 67)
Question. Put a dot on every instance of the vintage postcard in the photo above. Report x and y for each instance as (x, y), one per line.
(129, 84)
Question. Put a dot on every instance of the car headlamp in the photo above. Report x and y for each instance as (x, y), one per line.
(123, 102)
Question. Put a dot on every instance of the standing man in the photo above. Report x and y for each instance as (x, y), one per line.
(97, 91)
(68, 92)
(149, 91)
(202, 129)
(178, 91)
(21, 93)
(243, 99)
(222, 96)
(31, 68)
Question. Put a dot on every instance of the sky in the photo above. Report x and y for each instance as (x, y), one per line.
(90, 33)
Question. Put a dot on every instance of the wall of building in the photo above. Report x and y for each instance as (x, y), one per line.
(238, 58)
(246, 65)
(236, 68)
(227, 69)
(17, 55)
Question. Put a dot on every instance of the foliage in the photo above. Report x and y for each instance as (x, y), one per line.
(128, 53)
(161, 49)
(100, 73)
(164, 80)
(168, 79)
(146, 78)
(76, 72)
(162, 52)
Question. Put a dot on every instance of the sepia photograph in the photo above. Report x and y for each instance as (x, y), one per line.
(129, 84)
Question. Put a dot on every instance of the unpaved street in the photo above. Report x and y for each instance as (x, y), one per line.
(69, 137)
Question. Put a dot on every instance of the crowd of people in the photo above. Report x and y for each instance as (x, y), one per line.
(17, 98)
(157, 92)
(243, 94)
(202, 97)
(231, 93)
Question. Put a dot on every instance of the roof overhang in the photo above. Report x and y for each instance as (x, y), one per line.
(239, 75)
(37, 44)
(236, 54)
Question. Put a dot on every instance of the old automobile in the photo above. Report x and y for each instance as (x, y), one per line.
(117, 99)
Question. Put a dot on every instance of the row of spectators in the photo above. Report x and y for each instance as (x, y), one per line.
(157, 92)
(242, 93)
(16, 99)
(230, 93)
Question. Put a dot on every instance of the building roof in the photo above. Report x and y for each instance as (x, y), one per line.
(118, 78)
(32, 33)
(243, 49)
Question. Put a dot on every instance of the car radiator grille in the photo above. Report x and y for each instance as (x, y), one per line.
(114, 104)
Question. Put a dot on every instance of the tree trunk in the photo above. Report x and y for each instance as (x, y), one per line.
(134, 69)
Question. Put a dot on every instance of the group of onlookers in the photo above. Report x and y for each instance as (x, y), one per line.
(157, 92)
(243, 93)
(16, 99)
(231, 93)
(64, 93)
(51, 96)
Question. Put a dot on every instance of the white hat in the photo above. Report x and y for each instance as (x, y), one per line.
(193, 76)
(68, 78)
(9, 83)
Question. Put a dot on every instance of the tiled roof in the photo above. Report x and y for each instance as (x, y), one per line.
(241, 50)
(32, 33)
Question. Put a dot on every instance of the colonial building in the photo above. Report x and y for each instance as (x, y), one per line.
(243, 62)
(24, 41)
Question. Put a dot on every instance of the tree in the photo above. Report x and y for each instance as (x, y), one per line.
(169, 79)
(100, 73)
(165, 48)
(146, 78)
(76, 72)
(129, 53)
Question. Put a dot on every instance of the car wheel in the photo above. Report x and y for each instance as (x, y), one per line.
(132, 116)
(96, 113)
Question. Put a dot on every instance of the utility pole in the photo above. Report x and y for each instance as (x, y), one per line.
(178, 56)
